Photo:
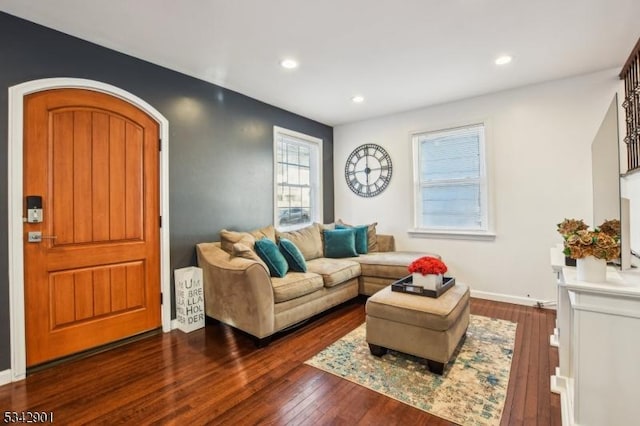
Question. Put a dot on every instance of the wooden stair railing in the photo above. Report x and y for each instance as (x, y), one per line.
(631, 75)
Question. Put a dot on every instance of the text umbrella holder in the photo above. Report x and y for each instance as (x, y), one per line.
(189, 299)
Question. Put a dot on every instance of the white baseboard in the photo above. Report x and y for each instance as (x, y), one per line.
(564, 387)
(174, 324)
(5, 377)
(518, 300)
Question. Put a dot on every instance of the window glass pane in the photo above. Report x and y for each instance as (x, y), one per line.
(279, 153)
(283, 216)
(293, 216)
(292, 175)
(452, 206)
(283, 196)
(304, 177)
(306, 197)
(305, 157)
(295, 199)
(292, 154)
(450, 158)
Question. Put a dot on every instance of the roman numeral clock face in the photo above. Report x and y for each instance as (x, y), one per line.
(368, 170)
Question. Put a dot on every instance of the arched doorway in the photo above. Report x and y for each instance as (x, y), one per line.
(17, 229)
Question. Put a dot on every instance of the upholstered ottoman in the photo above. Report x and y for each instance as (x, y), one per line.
(426, 327)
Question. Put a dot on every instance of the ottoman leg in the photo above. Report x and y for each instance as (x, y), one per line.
(377, 350)
(435, 367)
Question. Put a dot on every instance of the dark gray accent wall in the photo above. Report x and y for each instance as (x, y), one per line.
(220, 148)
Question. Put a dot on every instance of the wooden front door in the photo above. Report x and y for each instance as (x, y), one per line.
(95, 276)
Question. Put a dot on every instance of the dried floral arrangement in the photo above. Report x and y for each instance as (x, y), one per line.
(427, 265)
(611, 228)
(579, 242)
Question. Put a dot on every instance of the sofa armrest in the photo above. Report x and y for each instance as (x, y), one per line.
(386, 242)
(237, 291)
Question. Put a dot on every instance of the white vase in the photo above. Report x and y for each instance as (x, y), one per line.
(591, 269)
(429, 281)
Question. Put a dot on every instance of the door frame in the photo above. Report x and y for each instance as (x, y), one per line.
(15, 232)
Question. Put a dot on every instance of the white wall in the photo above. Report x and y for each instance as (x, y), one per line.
(539, 150)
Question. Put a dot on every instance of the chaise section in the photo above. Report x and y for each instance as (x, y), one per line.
(388, 264)
(379, 269)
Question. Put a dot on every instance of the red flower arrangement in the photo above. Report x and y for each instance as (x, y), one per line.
(427, 265)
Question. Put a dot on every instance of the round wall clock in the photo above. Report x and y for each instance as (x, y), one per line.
(368, 170)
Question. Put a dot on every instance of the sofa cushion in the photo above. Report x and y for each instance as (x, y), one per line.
(391, 264)
(306, 239)
(294, 257)
(229, 238)
(295, 284)
(334, 271)
(295, 310)
(372, 240)
(270, 254)
(362, 241)
(267, 232)
(321, 228)
(340, 243)
(240, 250)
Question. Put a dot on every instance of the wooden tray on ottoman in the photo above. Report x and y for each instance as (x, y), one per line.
(405, 285)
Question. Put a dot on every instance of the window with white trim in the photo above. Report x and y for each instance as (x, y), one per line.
(298, 179)
(450, 181)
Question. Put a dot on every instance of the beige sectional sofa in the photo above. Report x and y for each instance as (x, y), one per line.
(240, 292)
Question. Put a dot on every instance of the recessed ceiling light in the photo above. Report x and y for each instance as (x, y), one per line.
(503, 60)
(358, 99)
(289, 64)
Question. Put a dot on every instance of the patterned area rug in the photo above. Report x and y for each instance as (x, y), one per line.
(471, 391)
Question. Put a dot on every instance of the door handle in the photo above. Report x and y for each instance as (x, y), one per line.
(37, 237)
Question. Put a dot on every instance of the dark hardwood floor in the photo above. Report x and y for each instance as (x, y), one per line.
(217, 376)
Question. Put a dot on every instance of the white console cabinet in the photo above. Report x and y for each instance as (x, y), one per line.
(598, 337)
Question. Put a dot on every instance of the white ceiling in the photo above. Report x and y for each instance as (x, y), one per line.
(399, 55)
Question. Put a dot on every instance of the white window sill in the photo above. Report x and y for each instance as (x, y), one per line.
(453, 235)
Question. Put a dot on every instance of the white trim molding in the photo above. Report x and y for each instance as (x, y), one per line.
(517, 300)
(174, 324)
(452, 234)
(15, 225)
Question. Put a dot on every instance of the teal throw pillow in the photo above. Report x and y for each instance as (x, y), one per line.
(270, 254)
(294, 256)
(340, 243)
(362, 238)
